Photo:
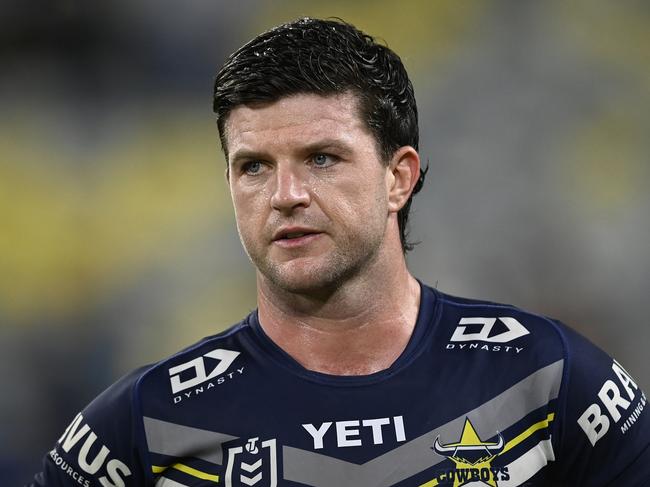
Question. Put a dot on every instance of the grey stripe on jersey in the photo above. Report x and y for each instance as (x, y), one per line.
(184, 441)
(318, 470)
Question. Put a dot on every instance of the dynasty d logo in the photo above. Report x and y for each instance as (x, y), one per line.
(192, 378)
(472, 458)
(223, 357)
(488, 335)
(254, 464)
(513, 330)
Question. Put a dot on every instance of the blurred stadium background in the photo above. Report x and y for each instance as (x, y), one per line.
(117, 242)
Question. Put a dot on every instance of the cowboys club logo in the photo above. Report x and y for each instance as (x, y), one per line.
(472, 458)
(254, 464)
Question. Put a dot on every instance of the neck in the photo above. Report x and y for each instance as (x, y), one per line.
(360, 328)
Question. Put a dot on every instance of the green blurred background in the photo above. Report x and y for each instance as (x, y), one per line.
(117, 241)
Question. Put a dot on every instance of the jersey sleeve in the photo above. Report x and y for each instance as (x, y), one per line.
(604, 424)
(102, 445)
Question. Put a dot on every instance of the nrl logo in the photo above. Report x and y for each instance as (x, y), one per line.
(472, 458)
(254, 464)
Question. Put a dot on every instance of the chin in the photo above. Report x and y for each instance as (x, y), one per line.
(304, 278)
(317, 275)
(303, 282)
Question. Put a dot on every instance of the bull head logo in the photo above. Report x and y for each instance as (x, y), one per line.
(470, 450)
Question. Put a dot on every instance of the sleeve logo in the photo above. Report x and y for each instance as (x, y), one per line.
(198, 372)
(514, 330)
(92, 463)
(596, 423)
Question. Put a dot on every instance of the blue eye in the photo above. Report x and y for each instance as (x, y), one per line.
(252, 167)
(323, 160)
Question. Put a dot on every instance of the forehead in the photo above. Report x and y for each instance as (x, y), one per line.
(295, 118)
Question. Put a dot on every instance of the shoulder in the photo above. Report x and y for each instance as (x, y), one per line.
(115, 421)
(474, 320)
(584, 372)
(200, 362)
(501, 349)
(599, 420)
(502, 329)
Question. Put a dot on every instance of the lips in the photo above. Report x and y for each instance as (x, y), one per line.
(296, 238)
(293, 233)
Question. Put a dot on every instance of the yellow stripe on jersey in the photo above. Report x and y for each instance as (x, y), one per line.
(430, 483)
(188, 470)
(528, 432)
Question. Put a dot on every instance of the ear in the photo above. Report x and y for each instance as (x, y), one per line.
(227, 174)
(401, 176)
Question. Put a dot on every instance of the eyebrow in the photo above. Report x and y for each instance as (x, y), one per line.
(246, 155)
(328, 144)
(323, 145)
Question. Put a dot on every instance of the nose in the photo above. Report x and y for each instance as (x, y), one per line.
(290, 191)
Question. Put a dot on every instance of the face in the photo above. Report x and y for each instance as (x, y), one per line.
(309, 190)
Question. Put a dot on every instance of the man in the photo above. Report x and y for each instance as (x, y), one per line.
(351, 372)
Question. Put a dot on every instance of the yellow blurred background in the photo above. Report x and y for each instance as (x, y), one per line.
(117, 241)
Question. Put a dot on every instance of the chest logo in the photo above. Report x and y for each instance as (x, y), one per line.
(472, 458)
(253, 464)
(352, 433)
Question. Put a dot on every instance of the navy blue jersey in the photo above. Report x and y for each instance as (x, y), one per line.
(484, 394)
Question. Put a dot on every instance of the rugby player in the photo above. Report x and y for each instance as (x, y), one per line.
(351, 372)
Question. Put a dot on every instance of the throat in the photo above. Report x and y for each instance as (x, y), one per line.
(357, 351)
(359, 339)
(355, 366)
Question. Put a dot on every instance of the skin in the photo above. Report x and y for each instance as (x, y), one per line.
(339, 299)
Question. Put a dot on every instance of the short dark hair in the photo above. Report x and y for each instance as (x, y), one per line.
(325, 57)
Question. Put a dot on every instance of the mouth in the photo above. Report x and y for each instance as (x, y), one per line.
(292, 237)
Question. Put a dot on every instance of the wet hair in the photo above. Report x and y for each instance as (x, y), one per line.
(325, 57)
